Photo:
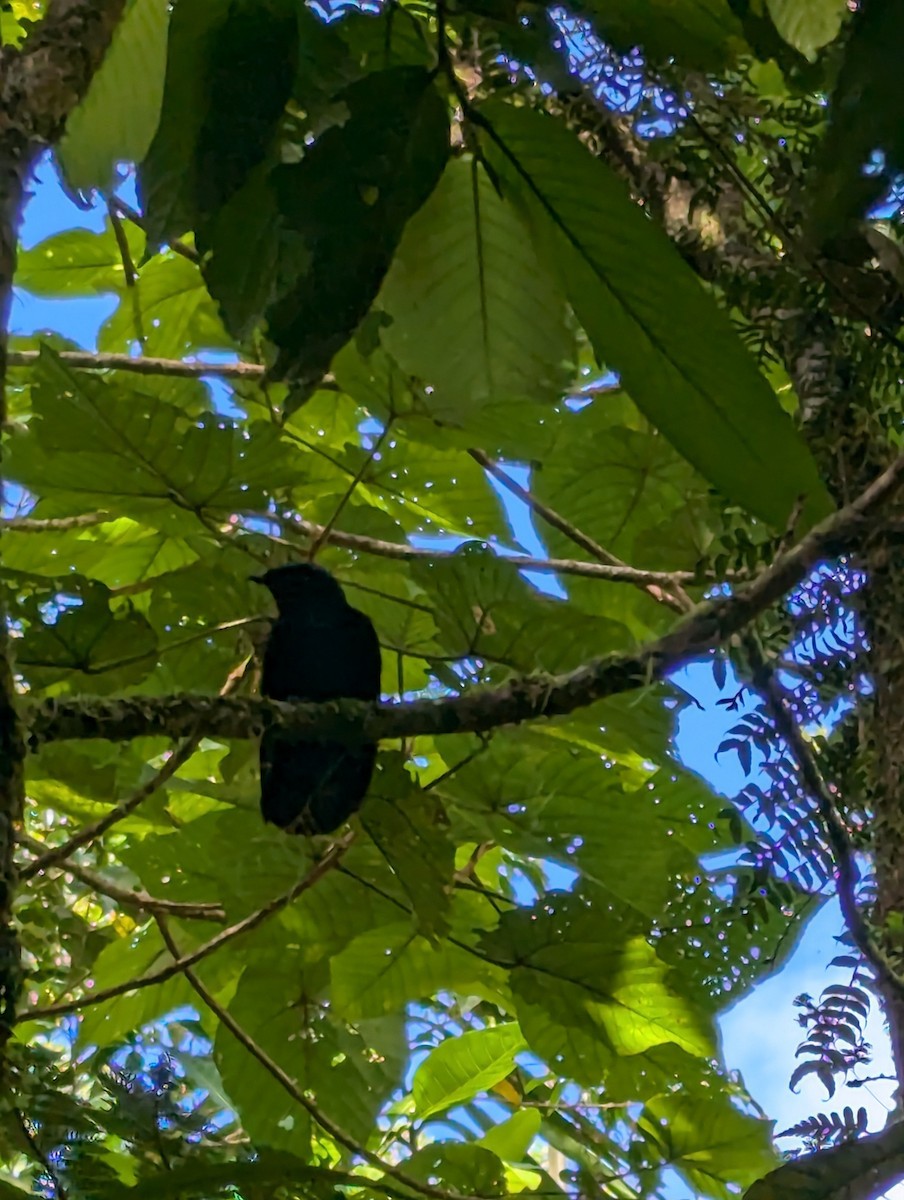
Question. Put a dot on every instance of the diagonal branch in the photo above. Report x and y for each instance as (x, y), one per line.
(863, 1169)
(128, 897)
(767, 683)
(674, 597)
(89, 833)
(291, 1087)
(329, 860)
(523, 698)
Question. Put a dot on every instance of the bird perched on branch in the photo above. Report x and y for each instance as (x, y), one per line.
(320, 648)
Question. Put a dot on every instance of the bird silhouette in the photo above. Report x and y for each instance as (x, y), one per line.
(319, 648)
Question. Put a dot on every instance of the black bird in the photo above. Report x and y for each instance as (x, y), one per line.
(320, 648)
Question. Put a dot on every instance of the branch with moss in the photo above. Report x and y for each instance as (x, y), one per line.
(523, 698)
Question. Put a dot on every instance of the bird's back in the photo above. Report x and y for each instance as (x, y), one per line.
(322, 656)
(317, 653)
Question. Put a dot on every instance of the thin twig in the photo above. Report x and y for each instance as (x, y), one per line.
(136, 218)
(403, 552)
(329, 860)
(59, 1191)
(89, 833)
(141, 364)
(53, 524)
(122, 243)
(127, 897)
(291, 1087)
(671, 595)
(350, 490)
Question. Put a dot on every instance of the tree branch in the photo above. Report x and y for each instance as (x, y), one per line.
(766, 682)
(291, 1087)
(329, 860)
(362, 544)
(86, 361)
(672, 594)
(53, 524)
(523, 698)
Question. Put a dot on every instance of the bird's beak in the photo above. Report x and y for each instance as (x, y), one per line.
(257, 579)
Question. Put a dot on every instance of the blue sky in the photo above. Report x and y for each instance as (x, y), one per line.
(760, 1032)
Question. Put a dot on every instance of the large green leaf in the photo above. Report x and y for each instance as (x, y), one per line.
(347, 200)
(808, 27)
(384, 969)
(650, 319)
(108, 446)
(77, 262)
(574, 969)
(351, 1071)
(714, 1146)
(168, 177)
(118, 118)
(474, 313)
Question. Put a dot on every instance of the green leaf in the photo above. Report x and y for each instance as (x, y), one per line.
(351, 1071)
(674, 348)
(459, 1167)
(384, 969)
(576, 971)
(270, 1169)
(407, 826)
(512, 1139)
(133, 452)
(118, 118)
(715, 1147)
(474, 313)
(349, 199)
(169, 312)
(461, 1067)
(77, 263)
(808, 27)
(168, 176)
(703, 34)
(81, 640)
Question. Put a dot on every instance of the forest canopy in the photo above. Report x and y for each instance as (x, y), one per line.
(569, 342)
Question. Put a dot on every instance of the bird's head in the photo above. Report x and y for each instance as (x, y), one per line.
(298, 585)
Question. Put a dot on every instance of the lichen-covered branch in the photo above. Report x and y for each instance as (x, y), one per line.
(523, 698)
